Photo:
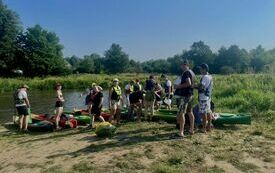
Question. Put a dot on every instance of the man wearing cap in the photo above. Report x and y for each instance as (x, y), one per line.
(115, 101)
(22, 105)
(205, 89)
(168, 89)
(186, 98)
(150, 97)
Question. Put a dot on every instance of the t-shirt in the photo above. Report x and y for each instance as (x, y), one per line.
(177, 82)
(188, 91)
(128, 88)
(97, 98)
(150, 85)
(168, 85)
(206, 81)
(21, 95)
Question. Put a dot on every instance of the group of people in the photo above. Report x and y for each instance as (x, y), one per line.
(150, 97)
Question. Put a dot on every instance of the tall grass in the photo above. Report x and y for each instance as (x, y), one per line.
(235, 93)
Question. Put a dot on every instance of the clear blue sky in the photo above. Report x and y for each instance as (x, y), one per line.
(151, 28)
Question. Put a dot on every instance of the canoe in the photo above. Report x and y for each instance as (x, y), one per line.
(37, 126)
(227, 118)
(66, 121)
(83, 118)
(222, 118)
(167, 116)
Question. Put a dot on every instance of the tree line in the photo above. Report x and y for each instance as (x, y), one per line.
(38, 52)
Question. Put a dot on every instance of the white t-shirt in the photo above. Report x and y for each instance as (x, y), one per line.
(178, 81)
(168, 83)
(205, 81)
(128, 87)
(22, 95)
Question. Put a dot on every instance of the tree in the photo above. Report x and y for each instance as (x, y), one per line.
(200, 53)
(10, 27)
(86, 65)
(42, 53)
(258, 58)
(116, 61)
(74, 61)
(234, 57)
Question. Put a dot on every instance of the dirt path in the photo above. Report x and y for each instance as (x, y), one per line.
(138, 147)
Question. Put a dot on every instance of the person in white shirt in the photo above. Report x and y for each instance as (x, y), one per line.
(22, 105)
(205, 89)
(128, 90)
(168, 89)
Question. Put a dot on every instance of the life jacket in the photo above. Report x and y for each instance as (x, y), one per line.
(137, 87)
(116, 93)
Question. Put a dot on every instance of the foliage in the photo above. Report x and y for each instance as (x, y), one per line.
(42, 53)
(9, 30)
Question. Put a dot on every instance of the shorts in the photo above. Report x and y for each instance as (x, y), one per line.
(115, 104)
(58, 104)
(186, 104)
(96, 111)
(171, 96)
(22, 110)
(205, 106)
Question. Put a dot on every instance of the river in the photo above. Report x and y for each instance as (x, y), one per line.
(42, 102)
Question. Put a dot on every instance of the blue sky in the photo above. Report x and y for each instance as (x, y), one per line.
(150, 29)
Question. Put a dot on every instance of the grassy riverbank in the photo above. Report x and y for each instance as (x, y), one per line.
(235, 93)
(148, 147)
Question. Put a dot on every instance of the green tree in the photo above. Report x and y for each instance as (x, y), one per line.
(116, 61)
(10, 27)
(86, 65)
(42, 53)
(200, 53)
(234, 57)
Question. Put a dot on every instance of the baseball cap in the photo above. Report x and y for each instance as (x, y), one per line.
(115, 80)
(25, 86)
(204, 66)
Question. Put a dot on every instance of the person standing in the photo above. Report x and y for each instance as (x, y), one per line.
(97, 102)
(168, 89)
(115, 101)
(58, 104)
(205, 90)
(186, 98)
(22, 105)
(149, 98)
(128, 90)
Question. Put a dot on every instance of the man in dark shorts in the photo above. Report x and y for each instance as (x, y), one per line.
(22, 105)
(186, 98)
(135, 103)
(97, 102)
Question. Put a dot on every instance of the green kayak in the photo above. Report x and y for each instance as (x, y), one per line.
(222, 118)
(83, 119)
(227, 118)
(37, 126)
